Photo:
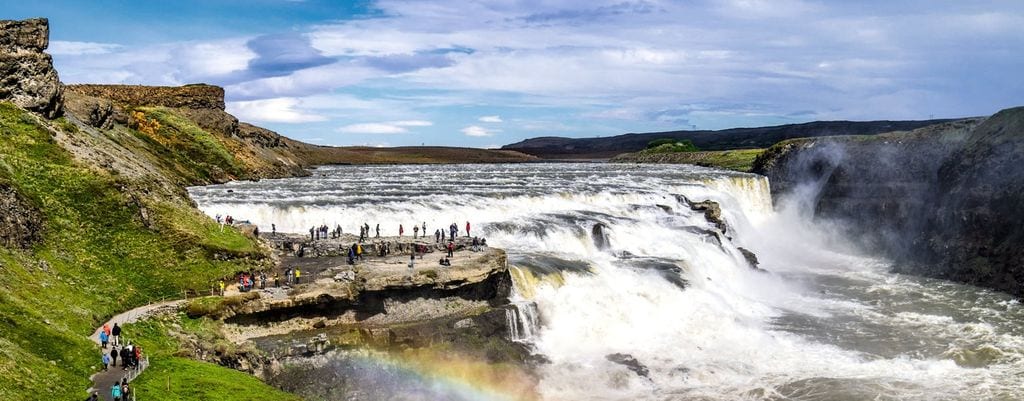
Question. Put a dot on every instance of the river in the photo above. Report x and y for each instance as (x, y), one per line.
(679, 304)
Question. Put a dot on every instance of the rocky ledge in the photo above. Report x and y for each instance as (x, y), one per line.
(27, 76)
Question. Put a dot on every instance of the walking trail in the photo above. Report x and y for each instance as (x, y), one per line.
(102, 381)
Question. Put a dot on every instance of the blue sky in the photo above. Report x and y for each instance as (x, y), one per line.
(488, 73)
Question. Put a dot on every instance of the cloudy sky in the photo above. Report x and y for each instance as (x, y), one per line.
(488, 73)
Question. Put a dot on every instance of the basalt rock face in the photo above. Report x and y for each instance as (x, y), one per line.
(194, 96)
(20, 223)
(27, 77)
(943, 201)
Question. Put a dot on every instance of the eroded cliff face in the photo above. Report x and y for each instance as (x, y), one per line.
(27, 77)
(942, 200)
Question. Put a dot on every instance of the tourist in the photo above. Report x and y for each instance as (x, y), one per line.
(277, 280)
(359, 251)
(263, 280)
(273, 228)
(106, 361)
(125, 390)
(311, 238)
(352, 254)
(115, 391)
(424, 229)
(412, 260)
(401, 230)
(437, 236)
(137, 355)
(454, 229)
(94, 397)
(415, 231)
(106, 329)
(124, 358)
(113, 357)
(451, 249)
(442, 236)
(104, 338)
(116, 333)
(256, 232)
(298, 275)
(221, 285)
(467, 228)
(378, 230)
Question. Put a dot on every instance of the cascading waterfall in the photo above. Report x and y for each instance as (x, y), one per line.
(665, 307)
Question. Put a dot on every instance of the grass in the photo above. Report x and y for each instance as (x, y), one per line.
(97, 257)
(191, 151)
(172, 378)
(737, 160)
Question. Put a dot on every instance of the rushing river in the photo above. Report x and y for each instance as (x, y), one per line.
(823, 323)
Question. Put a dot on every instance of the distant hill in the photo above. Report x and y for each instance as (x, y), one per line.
(734, 138)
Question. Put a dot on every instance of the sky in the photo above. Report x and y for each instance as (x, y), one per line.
(489, 73)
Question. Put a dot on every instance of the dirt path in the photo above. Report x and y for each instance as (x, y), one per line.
(104, 380)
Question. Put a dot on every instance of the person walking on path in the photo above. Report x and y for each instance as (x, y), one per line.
(104, 339)
(115, 391)
(106, 361)
(113, 357)
(116, 333)
(124, 358)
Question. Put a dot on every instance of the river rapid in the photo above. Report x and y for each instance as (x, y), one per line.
(668, 310)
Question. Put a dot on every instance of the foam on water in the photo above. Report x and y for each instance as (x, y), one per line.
(824, 324)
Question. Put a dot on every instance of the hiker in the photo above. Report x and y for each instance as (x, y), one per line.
(106, 361)
(125, 390)
(401, 230)
(113, 357)
(116, 332)
(124, 358)
(378, 230)
(115, 391)
(451, 249)
(467, 228)
(104, 338)
(298, 275)
(273, 228)
(106, 329)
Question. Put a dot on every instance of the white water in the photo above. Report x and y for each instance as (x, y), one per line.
(823, 325)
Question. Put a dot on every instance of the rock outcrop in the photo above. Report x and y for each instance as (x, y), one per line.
(193, 96)
(27, 77)
(20, 223)
(943, 201)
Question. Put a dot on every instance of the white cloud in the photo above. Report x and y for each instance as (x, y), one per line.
(490, 119)
(70, 48)
(279, 110)
(392, 127)
(477, 131)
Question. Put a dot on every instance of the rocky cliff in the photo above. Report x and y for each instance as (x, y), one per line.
(27, 77)
(941, 200)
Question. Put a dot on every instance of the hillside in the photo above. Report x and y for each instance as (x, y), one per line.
(735, 138)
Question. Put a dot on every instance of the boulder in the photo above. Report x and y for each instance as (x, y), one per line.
(91, 110)
(20, 223)
(27, 76)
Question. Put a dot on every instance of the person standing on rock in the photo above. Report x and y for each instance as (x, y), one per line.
(273, 228)
(437, 236)
(116, 333)
(451, 249)
(467, 228)
(298, 275)
(113, 357)
(311, 238)
(424, 229)
(220, 284)
(415, 231)
(378, 230)
(277, 280)
(263, 280)
(401, 230)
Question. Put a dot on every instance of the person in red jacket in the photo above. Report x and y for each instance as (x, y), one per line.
(451, 249)
(467, 228)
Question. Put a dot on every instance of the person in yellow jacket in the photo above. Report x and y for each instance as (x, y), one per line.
(298, 274)
(221, 288)
(359, 251)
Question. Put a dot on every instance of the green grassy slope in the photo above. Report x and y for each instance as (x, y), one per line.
(99, 255)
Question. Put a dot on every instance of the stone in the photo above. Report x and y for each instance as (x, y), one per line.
(630, 363)
(599, 234)
(91, 110)
(20, 223)
(27, 76)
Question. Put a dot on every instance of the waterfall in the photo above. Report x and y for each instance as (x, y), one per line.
(523, 321)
